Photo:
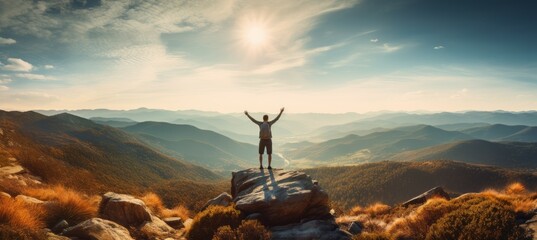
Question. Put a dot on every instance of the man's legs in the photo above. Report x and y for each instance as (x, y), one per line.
(269, 152)
(261, 151)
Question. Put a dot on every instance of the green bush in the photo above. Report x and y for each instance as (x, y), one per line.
(207, 222)
(478, 218)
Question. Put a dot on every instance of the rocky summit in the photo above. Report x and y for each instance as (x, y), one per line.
(287, 201)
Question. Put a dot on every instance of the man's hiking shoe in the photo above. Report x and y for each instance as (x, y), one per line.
(261, 167)
(269, 167)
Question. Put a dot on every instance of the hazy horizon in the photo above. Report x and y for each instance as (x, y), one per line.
(228, 56)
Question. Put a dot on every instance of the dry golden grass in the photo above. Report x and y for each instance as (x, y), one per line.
(65, 204)
(372, 210)
(20, 215)
(155, 204)
(515, 189)
(177, 211)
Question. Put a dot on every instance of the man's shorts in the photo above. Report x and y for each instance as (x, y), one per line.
(265, 143)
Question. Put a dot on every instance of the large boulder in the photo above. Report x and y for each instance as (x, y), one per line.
(98, 229)
(224, 199)
(124, 209)
(280, 197)
(422, 198)
(314, 229)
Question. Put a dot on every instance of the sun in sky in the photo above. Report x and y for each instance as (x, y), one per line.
(254, 34)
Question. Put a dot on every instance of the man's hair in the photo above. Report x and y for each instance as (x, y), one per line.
(265, 117)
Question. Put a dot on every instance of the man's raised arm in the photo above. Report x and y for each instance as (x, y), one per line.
(251, 118)
(278, 117)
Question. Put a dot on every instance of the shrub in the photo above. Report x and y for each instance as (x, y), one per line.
(205, 224)
(478, 218)
(417, 224)
(372, 236)
(252, 230)
(65, 204)
(19, 220)
(225, 233)
(248, 230)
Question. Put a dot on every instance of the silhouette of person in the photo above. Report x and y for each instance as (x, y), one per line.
(265, 136)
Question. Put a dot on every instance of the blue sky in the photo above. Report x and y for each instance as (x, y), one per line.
(231, 55)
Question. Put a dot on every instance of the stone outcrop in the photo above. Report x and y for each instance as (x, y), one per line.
(289, 202)
(98, 229)
(124, 209)
(129, 211)
(224, 199)
(422, 198)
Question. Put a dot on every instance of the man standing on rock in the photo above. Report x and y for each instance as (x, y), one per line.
(265, 136)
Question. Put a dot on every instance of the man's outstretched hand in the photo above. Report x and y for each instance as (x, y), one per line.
(246, 112)
(281, 110)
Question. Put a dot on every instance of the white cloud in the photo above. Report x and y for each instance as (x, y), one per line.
(4, 79)
(391, 48)
(438, 47)
(48, 66)
(32, 76)
(17, 64)
(374, 40)
(4, 88)
(7, 41)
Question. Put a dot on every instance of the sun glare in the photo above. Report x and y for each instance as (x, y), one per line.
(254, 34)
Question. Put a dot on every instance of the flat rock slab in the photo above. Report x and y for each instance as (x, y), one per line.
(124, 209)
(9, 170)
(98, 229)
(281, 197)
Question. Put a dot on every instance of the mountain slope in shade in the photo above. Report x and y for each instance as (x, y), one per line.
(504, 154)
(76, 152)
(202, 147)
(500, 132)
(396, 182)
(379, 145)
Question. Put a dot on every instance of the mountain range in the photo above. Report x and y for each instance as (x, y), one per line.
(76, 152)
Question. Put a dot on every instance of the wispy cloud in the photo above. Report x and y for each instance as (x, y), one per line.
(48, 67)
(374, 40)
(32, 76)
(16, 64)
(7, 41)
(438, 47)
(3, 88)
(4, 79)
(391, 48)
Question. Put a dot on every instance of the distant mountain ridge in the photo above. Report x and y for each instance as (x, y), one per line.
(503, 154)
(80, 153)
(378, 145)
(202, 147)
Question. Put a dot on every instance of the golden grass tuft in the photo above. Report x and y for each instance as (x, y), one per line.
(155, 204)
(20, 215)
(515, 189)
(177, 211)
(65, 204)
(373, 210)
